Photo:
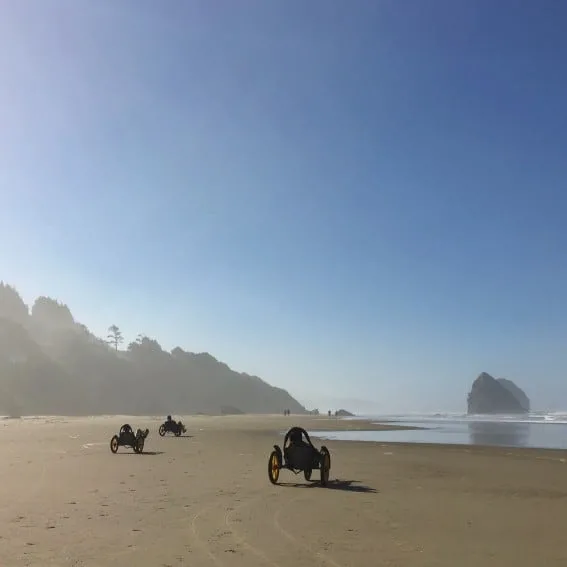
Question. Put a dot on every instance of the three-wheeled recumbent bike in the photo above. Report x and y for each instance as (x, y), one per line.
(127, 438)
(298, 455)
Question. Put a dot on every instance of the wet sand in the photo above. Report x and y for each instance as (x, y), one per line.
(205, 499)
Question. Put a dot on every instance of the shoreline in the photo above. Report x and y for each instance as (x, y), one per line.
(324, 422)
(275, 425)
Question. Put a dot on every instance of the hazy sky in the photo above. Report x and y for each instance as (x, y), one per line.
(358, 200)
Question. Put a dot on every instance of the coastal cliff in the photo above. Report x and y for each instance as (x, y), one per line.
(52, 364)
(489, 395)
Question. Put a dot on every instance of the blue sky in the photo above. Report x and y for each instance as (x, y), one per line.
(362, 202)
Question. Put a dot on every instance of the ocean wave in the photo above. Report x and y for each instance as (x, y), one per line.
(551, 418)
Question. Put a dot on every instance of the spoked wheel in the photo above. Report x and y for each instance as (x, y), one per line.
(274, 466)
(114, 444)
(325, 466)
(161, 430)
(139, 446)
(307, 474)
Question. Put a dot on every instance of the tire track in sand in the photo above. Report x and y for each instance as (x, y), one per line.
(205, 547)
(402, 544)
(241, 540)
(292, 539)
(197, 539)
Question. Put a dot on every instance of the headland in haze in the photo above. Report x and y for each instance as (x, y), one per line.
(52, 364)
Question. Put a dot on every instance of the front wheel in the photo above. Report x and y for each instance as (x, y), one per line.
(307, 474)
(139, 446)
(161, 430)
(114, 444)
(178, 432)
(325, 466)
(274, 466)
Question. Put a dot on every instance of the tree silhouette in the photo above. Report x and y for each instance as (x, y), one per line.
(52, 313)
(12, 305)
(144, 345)
(114, 336)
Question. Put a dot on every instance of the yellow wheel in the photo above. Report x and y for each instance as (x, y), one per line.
(274, 466)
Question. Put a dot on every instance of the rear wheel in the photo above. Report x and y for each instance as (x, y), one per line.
(274, 466)
(114, 444)
(325, 450)
(325, 466)
(161, 430)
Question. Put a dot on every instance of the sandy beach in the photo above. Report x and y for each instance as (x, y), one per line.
(205, 499)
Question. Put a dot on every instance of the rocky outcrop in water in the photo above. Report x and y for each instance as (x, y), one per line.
(489, 395)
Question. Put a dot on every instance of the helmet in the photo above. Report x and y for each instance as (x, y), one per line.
(296, 437)
(168, 418)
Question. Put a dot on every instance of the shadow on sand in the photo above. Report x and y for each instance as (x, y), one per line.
(151, 453)
(337, 484)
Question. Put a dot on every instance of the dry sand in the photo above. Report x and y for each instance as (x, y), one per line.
(205, 499)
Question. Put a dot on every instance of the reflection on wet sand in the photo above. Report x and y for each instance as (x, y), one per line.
(499, 434)
(459, 431)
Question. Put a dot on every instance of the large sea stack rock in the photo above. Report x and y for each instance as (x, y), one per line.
(519, 394)
(502, 396)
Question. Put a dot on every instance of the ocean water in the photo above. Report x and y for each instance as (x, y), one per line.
(537, 430)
